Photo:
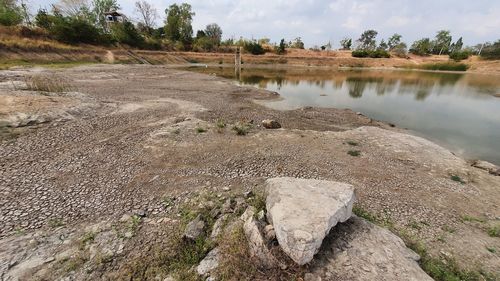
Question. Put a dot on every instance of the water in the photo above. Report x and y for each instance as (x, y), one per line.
(458, 111)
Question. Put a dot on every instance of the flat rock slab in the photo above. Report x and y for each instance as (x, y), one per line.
(303, 211)
(358, 250)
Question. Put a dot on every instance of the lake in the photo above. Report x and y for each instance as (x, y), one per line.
(458, 111)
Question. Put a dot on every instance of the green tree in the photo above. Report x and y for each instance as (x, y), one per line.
(178, 23)
(346, 43)
(457, 46)
(442, 42)
(422, 47)
(214, 33)
(491, 51)
(281, 49)
(394, 41)
(383, 45)
(10, 13)
(367, 40)
(400, 50)
(126, 33)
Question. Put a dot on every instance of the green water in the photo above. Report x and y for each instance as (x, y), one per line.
(458, 111)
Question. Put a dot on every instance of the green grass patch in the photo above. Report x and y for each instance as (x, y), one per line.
(472, 219)
(494, 231)
(354, 153)
(352, 143)
(491, 250)
(87, 238)
(200, 130)
(220, 124)
(457, 179)
(446, 66)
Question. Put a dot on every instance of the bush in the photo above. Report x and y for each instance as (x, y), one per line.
(254, 48)
(491, 51)
(370, 54)
(460, 55)
(446, 66)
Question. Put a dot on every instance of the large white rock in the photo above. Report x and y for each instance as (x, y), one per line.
(303, 211)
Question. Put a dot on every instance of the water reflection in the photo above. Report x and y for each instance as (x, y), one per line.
(455, 110)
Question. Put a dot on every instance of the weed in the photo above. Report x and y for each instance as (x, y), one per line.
(441, 238)
(55, 222)
(102, 258)
(241, 129)
(354, 153)
(457, 179)
(176, 131)
(220, 124)
(200, 130)
(494, 231)
(258, 201)
(41, 83)
(87, 238)
(167, 202)
(415, 225)
(472, 219)
(134, 223)
(448, 229)
(74, 263)
(352, 143)
(362, 213)
(491, 249)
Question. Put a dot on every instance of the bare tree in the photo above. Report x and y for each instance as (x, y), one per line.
(73, 7)
(147, 13)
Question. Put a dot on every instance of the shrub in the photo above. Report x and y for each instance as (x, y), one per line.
(460, 55)
(491, 51)
(281, 48)
(422, 47)
(446, 66)
(254, 48)
(354, 152)
(370, 54)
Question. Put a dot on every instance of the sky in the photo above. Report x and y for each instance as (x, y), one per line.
(319, 21)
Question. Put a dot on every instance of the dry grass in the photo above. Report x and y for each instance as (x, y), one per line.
(42, 83)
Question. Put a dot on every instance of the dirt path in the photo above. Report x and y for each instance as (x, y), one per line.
(146, 140)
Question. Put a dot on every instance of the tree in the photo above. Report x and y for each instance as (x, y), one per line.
(297, 43)
(400, 50)
(367, 40)
(147, 13)
(394, 41)
(214, 32)
(10, 13)
(442, 42)
(178, 23)
(99, 7)
(422, 47)
(281, 49)
(457, 46)
(383, 46)
(346, 43)
(126, 33)
(200, 34)
(491, 51)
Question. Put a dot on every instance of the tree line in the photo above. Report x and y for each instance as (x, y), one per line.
(83, 21)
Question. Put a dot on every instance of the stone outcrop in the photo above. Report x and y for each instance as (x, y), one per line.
(358, 250)
(303, 211)
(209, 263)
(256, 243)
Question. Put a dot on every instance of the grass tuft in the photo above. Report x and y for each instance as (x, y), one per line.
(352, 143)
(241, 129)
(494, 231)
(200, 130)
(457, 179)
(42, 83)
(354, 153)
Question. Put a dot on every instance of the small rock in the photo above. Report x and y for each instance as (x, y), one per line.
(217, 228)
(311, 277)
(269, 232)
(209, 263)
(248, 194)
(271, 124)
(140, 213)
(261, 215)
(228, 205)
(249, 213)
(194, 228)
(257, 244)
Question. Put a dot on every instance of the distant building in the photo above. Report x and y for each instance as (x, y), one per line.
(114, 16)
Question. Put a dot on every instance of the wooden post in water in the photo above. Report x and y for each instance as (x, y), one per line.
(237, 63)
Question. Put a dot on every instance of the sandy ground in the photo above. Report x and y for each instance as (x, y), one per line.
(141, 142)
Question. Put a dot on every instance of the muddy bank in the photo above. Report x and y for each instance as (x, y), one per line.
(160, 137)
